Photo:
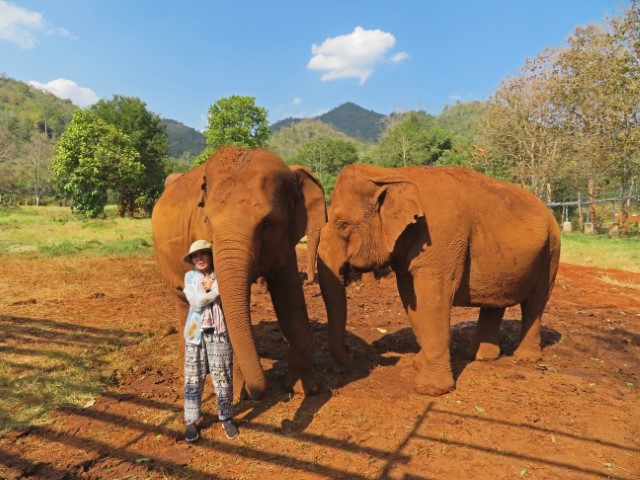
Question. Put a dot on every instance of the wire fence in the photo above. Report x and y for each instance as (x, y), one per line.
(579, 203)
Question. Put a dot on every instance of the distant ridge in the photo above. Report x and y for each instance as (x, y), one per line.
(349, 118)
(183, 140)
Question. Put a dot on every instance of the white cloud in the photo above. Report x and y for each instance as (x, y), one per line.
(297, 101)
(68, 89)
(400, 57)
(21, 26)
(351, 56)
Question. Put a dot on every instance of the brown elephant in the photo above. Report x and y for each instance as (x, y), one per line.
(453, 237)
(254, 209)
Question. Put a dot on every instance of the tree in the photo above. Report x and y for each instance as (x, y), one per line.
(289, 141)
(148, 136)
(601, 91)
(412, 138)
(91, 158)
(463, 118)
(235, 120)
(522, 128)
(39, 150)
(326, 157)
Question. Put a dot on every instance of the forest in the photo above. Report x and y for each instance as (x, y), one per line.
(566, 126)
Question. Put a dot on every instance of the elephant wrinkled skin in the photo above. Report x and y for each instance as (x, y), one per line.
(453, 237)
(254, 209)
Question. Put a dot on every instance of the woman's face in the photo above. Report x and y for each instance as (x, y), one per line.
(202, 261)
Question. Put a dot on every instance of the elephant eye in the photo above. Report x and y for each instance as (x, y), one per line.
(265, 224)
(343, 228)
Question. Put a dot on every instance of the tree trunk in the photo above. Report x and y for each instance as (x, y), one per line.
(592, 205)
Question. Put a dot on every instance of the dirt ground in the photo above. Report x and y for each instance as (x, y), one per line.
(574, 415)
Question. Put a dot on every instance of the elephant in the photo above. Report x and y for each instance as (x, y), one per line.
(254, 209)
(453, 237)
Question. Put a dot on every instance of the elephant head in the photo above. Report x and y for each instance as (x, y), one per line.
(369, 212)
(254, 209)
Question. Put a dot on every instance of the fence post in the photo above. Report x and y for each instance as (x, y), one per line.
(566, 226)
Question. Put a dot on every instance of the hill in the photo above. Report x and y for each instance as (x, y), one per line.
(25, 110)
(288, 140)
(348, 118)
(184, 141)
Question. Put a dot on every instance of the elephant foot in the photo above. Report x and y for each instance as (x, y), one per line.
(342, 356)
(528, 354)
(307, 385)
(432, 390)
(487, 351)
(427, 384)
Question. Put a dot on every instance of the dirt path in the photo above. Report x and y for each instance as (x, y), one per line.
(575, 415)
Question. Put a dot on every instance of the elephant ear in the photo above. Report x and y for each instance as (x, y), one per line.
(398, 205)
(309, 208)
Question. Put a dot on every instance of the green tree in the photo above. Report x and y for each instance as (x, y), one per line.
(412, 138)
(463, 118)
(91, 158)
(235, 120)
(326, 157)
(148, 136)
(289, 141)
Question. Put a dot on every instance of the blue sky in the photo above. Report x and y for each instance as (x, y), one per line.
(297, 58)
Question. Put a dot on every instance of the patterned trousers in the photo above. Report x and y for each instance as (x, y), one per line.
(213, 355)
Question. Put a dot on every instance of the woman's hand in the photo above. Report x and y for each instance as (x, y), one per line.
(207, 283)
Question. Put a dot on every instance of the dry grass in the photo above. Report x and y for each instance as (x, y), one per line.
(602, 251)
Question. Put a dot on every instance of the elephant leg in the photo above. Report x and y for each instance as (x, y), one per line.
(427, 302)
(529, 349)
(486, 342)
(285, 287)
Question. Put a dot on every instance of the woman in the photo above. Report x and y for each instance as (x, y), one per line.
(207, 345)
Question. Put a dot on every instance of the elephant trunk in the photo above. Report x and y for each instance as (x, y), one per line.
(233, 264)
(335, 300)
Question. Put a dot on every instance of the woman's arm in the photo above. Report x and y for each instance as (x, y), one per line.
(197, 299)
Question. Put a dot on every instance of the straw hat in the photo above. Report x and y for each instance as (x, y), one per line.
(197, 246)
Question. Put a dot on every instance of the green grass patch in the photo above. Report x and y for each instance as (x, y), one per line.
(55, 231)
(621, 253)
(48, 364)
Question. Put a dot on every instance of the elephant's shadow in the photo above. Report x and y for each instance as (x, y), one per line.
(272, 346)
(404, 341)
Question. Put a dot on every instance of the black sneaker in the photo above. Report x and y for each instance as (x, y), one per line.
(230, 430)
(191, 433)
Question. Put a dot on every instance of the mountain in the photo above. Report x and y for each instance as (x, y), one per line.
(25, 110)
(349, 118)
(183, 141)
